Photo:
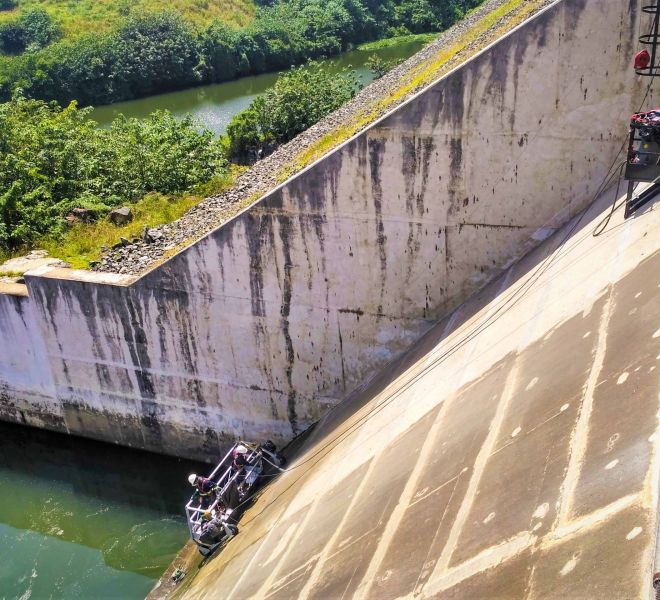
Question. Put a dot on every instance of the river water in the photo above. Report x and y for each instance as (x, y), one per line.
(83, 519)
(215, 105)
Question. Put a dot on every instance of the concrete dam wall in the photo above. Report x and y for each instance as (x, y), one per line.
(280, 313)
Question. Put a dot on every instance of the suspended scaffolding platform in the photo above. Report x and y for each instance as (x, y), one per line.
(643, 158)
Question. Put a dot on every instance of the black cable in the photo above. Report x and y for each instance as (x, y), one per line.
(600, 228)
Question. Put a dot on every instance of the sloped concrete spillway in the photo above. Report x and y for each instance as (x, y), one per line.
(513, 453)
(263, 325)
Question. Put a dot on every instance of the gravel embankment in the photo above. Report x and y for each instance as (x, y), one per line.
(209, 214)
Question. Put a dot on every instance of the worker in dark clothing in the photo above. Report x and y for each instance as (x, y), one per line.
(204, 488)
(214, 525)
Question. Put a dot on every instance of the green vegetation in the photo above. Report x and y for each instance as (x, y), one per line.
(53, 160)
(147, 53)
(33, 30)
(378, 66)
(82, 17)
(300, 98)
(398, 39)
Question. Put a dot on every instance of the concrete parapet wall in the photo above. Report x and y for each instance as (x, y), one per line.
(26, 385)
(258, 328)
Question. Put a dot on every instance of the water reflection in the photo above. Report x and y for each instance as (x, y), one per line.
(215, 105)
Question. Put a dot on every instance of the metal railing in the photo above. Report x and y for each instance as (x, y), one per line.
(223, 484)
(224, 476)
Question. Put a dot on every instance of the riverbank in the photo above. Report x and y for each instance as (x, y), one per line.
(481, 27)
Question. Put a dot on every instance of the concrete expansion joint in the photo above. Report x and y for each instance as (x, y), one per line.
(582, 524)
(486, 559)
(478, 471)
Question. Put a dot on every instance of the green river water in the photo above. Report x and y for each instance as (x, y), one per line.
(83, 519)
(215, 105)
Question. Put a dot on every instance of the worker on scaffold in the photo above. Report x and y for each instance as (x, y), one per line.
(205, 489)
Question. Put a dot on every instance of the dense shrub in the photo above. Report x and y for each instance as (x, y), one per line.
(53, 160)
(299, 99)
(32, 31)
(158, 52)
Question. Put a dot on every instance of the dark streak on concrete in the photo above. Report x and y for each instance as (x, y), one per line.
(341, 355)
(255, 227)
(285, 224)
(376, 152)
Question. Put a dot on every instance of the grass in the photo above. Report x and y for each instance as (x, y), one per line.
(94, 16)
(399, 39)
(515, 12)
(83, 242)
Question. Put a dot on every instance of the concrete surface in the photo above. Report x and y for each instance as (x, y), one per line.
(513, 453)
(262, 326)
(33, 260)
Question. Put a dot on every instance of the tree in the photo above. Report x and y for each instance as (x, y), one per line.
(378, 66)
(300, 98)
(33, 30)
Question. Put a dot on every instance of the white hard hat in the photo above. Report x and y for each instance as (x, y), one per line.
(192, 478)
(241, 449)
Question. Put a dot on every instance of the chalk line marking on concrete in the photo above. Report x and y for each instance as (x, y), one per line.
(486, 559)
(478, 471)
(416, 499)
(330, 544)
(579, 436)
